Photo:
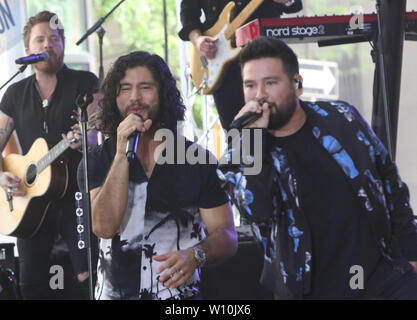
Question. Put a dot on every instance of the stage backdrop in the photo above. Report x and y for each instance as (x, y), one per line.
(12, 20)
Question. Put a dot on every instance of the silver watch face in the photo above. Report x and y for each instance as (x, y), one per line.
(200, 256)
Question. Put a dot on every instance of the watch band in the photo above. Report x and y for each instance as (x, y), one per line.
(289, 3)
(200, 256)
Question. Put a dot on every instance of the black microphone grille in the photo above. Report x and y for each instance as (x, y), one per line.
(45, 56)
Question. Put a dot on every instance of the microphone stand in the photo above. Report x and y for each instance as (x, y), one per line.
(165, 31)
(82, 104)
(100, 32)
(22, 68)
(385, 89)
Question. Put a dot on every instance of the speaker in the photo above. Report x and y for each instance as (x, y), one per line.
(9, 288)
(238, 277)
(7, 260)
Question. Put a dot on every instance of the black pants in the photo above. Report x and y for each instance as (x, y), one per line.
(404, 289)
(229, 97)
(34, 253)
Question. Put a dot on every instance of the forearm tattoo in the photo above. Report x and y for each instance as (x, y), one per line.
(6, 129)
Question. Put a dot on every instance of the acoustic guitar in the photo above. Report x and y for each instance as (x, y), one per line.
(206, 73)
(44, 178)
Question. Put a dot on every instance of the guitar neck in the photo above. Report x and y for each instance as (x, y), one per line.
(60, 148)
(240, 19)
(52, 155)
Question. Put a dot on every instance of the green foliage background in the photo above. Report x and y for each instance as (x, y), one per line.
(142, 25)
(142, 28)
(72, 15)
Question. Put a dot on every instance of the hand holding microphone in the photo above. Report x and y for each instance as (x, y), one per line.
(254, 114)
(128, 134)
(132, 141)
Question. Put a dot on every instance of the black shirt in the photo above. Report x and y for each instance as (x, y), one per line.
(162, 215)
(23, 103)
(283, 227)
(176, 184)
(341, 234)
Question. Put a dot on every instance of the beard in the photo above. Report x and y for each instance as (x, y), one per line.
(53, 65)
(282, 113)
(152, 112)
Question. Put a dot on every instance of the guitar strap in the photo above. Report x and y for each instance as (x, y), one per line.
(70, 90)
(215, 7)
(213, 10)
(72, 86)
(219, 5)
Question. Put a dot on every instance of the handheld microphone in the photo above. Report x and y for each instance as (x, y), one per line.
(33, 58)
(132, 145)
(244, 120)
(249, 117)
(132, 142)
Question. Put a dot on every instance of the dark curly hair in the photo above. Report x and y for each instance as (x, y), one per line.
(171, 106)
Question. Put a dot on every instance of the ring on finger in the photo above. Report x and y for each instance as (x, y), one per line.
(181, 272)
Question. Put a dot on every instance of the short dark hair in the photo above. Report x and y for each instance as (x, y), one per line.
(268, 47)
(171, 105)
(43, 16)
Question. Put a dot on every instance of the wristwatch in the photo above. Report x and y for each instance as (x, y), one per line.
(200, 256)
(289, 3)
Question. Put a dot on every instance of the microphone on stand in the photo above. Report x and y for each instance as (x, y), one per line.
(33, 58)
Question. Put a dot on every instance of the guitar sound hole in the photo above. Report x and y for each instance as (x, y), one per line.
(31, 174)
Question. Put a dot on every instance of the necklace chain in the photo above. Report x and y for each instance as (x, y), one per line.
(48, 96)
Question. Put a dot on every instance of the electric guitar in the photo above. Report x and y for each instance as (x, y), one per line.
(43, 177)
(207, 73)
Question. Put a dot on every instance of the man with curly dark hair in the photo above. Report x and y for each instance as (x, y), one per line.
(150, 216)
(172, 108)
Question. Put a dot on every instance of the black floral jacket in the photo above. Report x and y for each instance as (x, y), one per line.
(270, 200)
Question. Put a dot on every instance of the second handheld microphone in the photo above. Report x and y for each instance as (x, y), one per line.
(248, 117)
(245, 119)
